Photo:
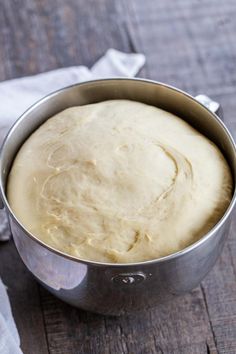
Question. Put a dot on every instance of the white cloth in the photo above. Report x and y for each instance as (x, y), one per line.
(9, 337)
(19, 94)
(15, 97)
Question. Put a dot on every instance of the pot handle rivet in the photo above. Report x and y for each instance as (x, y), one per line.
(128, 278)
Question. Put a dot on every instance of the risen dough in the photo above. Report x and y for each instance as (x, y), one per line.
(118, 181)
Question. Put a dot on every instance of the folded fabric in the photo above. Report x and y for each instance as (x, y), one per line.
(16, 96)
(9, 338)
(19, 94)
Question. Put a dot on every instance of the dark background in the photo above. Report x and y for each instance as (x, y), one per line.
(190, 44)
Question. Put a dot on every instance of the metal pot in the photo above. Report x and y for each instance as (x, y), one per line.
(118, 288)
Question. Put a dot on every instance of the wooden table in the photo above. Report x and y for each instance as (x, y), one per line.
(188, 43)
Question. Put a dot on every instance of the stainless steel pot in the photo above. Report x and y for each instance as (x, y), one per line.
(118, 288)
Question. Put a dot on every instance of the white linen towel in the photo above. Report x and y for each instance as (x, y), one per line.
(15, 97)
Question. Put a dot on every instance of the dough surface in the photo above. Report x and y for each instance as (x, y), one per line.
(118, 181)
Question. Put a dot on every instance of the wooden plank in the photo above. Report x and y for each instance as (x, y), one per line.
(201, 39)
(180, 327)
(44, 35)
(188, 44)
(219, 289)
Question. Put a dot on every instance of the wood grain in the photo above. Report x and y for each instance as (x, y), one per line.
(187, 43)
(201, 39)
(44, 35)
(181, 327)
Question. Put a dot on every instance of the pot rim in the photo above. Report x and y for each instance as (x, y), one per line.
(170, 257)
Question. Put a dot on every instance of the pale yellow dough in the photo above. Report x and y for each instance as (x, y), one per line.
(118, 181)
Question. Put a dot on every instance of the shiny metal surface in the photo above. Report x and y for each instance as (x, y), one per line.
(118, 288)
